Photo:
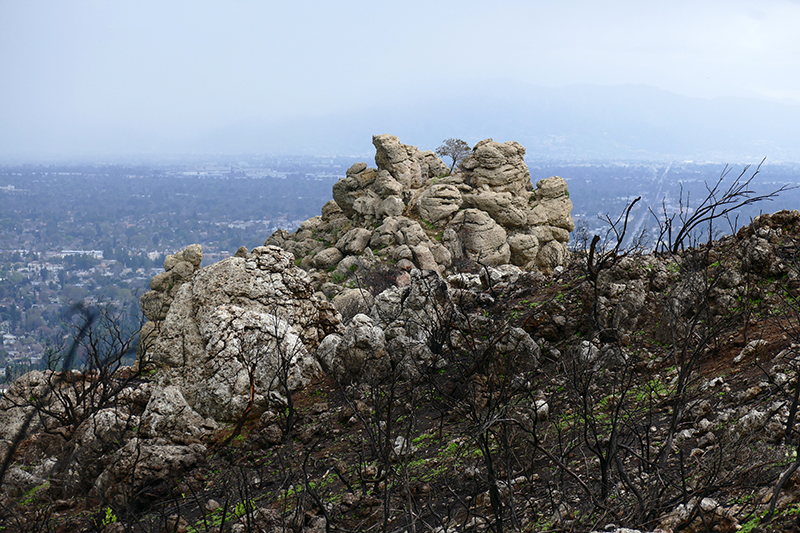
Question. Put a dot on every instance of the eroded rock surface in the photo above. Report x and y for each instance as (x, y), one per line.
(409, 212)
(243, 324)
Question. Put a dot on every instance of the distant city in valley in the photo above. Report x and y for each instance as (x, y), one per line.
(98, 233)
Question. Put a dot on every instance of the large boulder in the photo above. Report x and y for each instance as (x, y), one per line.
(354, 186)
(145, 470)
(239, 332)
(358, 355)
(406, 164)
(351, 302)
(439, 202)
(168, 414)
(15, 405)
(482, 238)
(500, 167)
(420, 309)
(505, 208)
(354, 241)
(178, 269)
(551, 204)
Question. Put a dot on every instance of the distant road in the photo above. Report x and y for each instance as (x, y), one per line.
(653, 203)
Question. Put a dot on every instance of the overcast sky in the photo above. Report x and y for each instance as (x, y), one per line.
(73, 72)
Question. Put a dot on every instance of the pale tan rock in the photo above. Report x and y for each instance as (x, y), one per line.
(411, 234)
(155, 305)
(441, 254)
(405, 264)
(423, 257)
(559, 213)
(234, 322)
(550, 188)
(545, 234)
(313, 225)
(354, 241)
(351, 302)
(384, 234)
(494, 180)
(367, 204)
(524, 248)
(141, 464)
(503, 207)
(402, 252)
(501, 167)
(182, 271)
(392, 206)
(406, 164)
(347, 265)
(386, 186)
(168, 413)
(439, 202)
(331, 209)
(327, 258)
(161, 281)
(194, 255)
(551, 255)
(358, 355)
(483, 239)
(346, 191)
(179, 268)
(170, 262)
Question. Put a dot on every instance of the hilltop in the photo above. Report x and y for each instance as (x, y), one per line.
(389, 367)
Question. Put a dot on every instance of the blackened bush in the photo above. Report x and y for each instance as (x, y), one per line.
(380, 278)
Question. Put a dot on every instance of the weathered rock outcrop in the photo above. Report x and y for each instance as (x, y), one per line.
(410, 212)
(424, 368)
(146, 468)
(399, 335)
(178, 269)
(245, 323)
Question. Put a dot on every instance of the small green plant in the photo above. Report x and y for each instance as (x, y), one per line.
(422, 439)
(451, 449)
(30, 496)
(751, 524)
(241, 508)
(110, 517)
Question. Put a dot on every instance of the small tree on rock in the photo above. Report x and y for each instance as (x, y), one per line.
(455, 149)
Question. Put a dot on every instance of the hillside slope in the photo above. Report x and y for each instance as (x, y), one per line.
(616, 389)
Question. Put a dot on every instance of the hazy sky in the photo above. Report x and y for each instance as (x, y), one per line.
(73, 73)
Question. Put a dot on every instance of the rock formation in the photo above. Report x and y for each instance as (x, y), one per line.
(410, 212)
(250, 320)
(421, 373)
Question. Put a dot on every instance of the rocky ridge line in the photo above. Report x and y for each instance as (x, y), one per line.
(408, 211)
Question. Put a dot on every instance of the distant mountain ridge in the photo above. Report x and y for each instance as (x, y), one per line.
(574, 122)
